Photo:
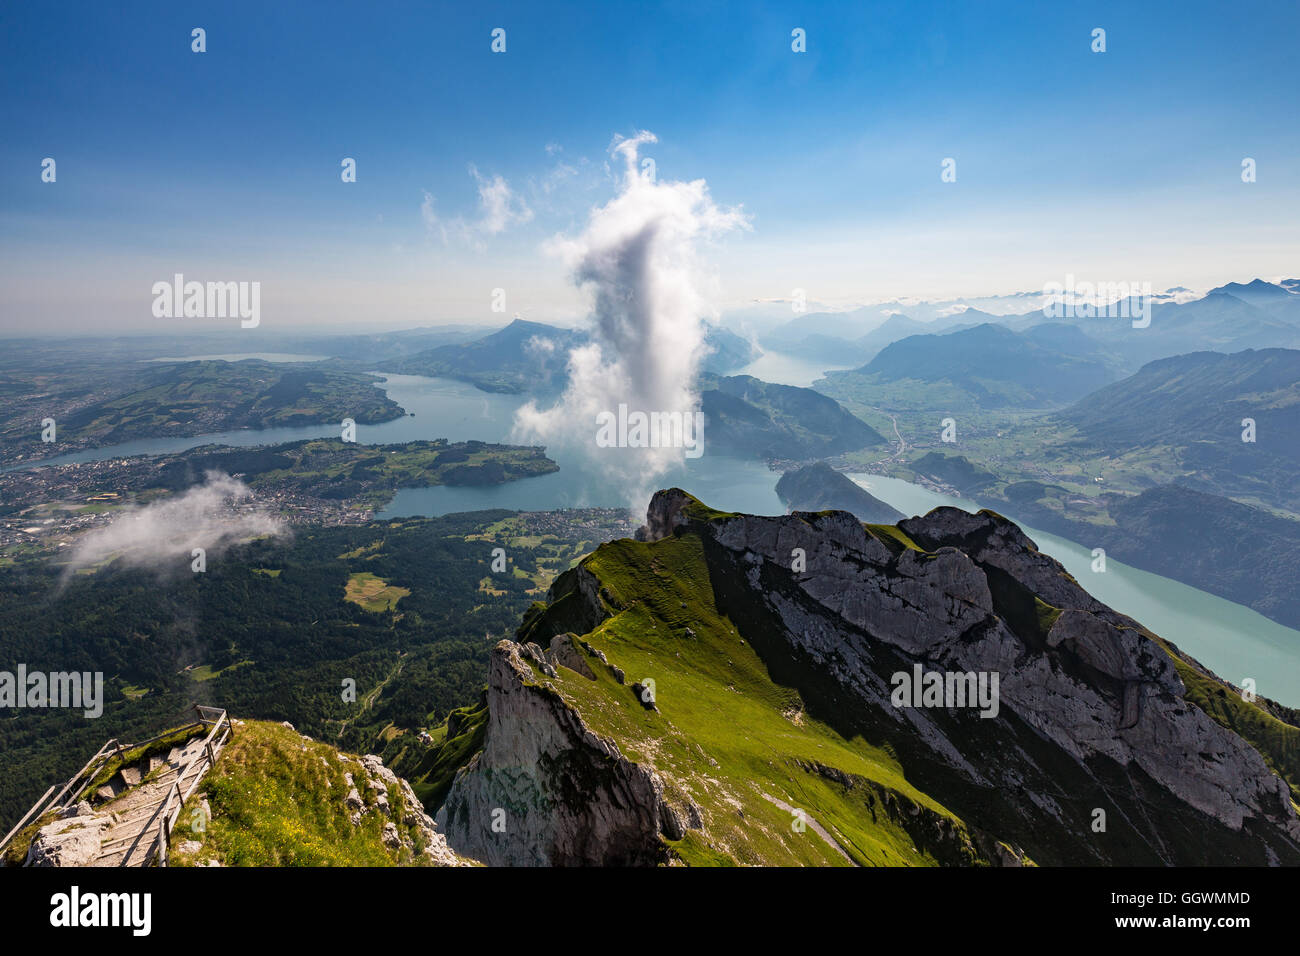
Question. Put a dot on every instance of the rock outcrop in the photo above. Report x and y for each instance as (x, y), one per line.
(546, 790)
(1092, 711)
(1091, 752)
(74, 840)
(418, 833)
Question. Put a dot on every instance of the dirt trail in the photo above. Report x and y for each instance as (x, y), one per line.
(813, 825)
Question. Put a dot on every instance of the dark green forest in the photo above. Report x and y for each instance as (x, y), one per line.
(265, 644)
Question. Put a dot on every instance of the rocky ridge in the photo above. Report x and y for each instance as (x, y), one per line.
(1095, 755)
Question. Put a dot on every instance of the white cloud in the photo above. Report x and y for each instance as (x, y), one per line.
(639, 259)
(162, 535)
(499, 206)
(540, 345)
(430, 217)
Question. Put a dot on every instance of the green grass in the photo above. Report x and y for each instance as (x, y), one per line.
(99, 507)
(432, 777)
(359, 552)
(1278, 742)
(373, 473)
(699, 511)
(253, 393)
(175, 738)
(278, 800)
(1046, 615)
(725, 733)
(204, 672)
(893, 538)
(373, 593)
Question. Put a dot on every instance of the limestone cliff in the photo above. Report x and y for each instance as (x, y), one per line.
(702, 696)
(546, 789)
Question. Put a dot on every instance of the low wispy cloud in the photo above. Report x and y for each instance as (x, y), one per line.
(428, 214)
(499, 208)
(162, 535)
(540, 345)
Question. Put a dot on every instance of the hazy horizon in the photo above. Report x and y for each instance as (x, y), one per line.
(1123, 165)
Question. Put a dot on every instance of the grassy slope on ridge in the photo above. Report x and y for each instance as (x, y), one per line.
(718, 702)
(278, 799)
(733, 741)
(1276, 740)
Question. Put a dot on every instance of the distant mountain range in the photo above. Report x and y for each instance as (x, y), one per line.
(1260, 293)
(744, 416)
(989, 365)
(1231, 317)
(533, 357)
(843, 338)
(1220, 546)
(370, 349)
(1174, 432)
(1254, 316)
(1049, 363)
(524, 356)
(1192, 407)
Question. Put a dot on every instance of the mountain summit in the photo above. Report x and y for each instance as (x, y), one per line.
(731, 688)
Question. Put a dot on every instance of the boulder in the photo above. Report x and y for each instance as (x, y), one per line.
(73, 841)
(392, 839)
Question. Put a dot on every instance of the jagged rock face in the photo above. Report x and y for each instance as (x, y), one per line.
(665, 513)
(380, 781)
(545, 790)
(1092, 714)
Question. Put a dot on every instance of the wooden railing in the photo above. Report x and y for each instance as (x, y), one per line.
(213, 717)
(83, 776)
(170, 810)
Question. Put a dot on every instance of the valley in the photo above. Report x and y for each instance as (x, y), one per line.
(648, 436)
(269, 631)
(379, 521)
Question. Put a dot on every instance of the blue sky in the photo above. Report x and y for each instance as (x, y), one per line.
(225, 165)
